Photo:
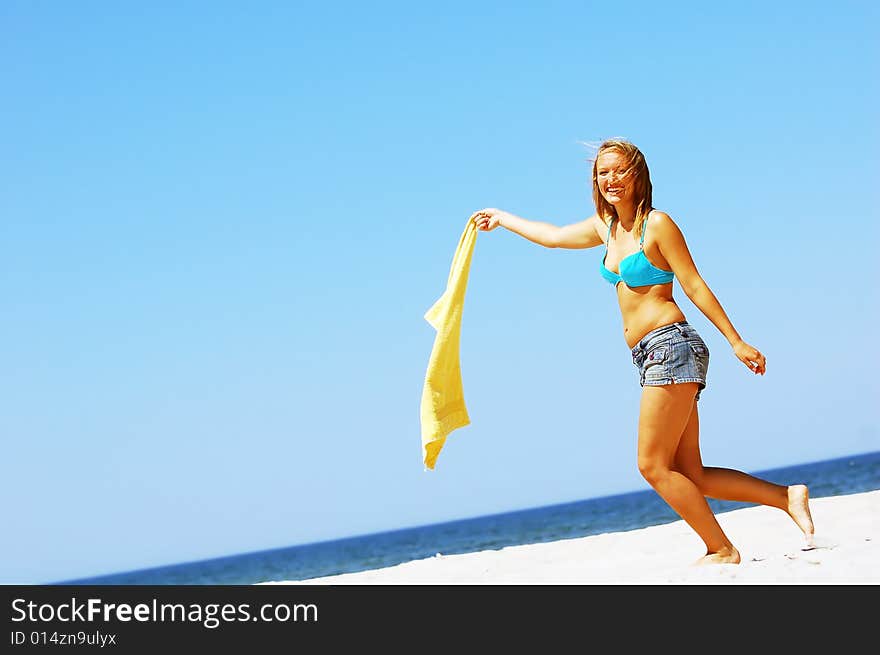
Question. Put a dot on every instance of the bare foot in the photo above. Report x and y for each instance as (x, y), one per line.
(799, 510)
(723, 556)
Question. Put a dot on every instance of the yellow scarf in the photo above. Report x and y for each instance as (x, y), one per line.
(443, 409)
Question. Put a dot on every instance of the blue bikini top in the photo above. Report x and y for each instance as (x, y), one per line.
(635, 270)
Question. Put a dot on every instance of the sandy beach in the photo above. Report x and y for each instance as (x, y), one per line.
(847, 551)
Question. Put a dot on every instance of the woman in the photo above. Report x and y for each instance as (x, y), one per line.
(644, 252)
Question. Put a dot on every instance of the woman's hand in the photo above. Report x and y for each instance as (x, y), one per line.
(751, 357)
(488, 219)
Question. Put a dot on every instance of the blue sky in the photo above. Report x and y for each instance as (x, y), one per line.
(223, 223)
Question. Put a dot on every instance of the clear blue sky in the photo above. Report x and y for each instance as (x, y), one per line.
(223, 222)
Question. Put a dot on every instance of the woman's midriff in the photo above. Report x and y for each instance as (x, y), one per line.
(646, 308)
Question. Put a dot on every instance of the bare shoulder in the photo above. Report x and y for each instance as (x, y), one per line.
(661, 224)
(659, 218)
(596, 221)
(600, 227)
(583, 234)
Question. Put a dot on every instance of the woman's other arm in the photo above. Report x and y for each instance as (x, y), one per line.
(674, 248)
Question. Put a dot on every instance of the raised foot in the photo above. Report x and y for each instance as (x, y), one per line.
(725, 556)
(799, 511)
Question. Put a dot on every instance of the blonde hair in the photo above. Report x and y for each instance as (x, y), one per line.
(637, 168)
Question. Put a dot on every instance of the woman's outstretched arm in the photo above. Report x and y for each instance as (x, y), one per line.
(674, 248)
(583, 234)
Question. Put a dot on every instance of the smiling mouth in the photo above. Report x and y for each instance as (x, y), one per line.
(615, 190)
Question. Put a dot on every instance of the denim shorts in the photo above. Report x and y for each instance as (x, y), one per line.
(672, 354)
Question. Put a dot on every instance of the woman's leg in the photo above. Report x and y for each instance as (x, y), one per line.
(665, 411)
(729, 484)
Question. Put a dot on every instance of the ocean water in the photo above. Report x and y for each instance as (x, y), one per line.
(629, 511)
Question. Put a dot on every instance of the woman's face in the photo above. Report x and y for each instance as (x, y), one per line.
(614, 184)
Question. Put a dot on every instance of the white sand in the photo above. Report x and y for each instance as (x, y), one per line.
(770, 544)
